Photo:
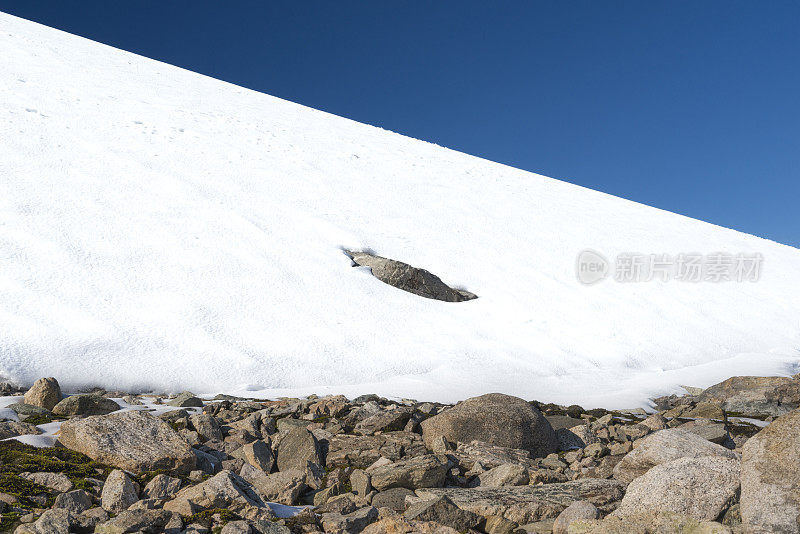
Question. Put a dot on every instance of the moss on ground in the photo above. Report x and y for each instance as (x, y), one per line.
(206, 517)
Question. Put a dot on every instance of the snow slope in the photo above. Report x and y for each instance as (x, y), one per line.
(164, 230)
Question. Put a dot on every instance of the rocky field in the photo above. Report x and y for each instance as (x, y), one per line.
(724, 459)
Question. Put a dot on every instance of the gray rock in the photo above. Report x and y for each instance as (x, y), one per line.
(444, 512)
(55, 481)
(206, 426)
(134, 441)
(76, 501)
(490, 456)
(206, 462)
(283, 487)
(89, 519)
(363, 451)
(713, 432)
(351, 523)
(88, 404)
(186, 400)
(45, 393)
(647, 522)
(526, 504)
(27, 410)
(258, 454)
(563, 421)
(394, 498)
(412, 279)
(297, 449)
(384, 421)
(496, 419)
(427, 471)
(504, 475)
(577, 511)
(236, 527)
(770, 500)
(224, 490)
(11, 429)
(140, 520)
(696, 487)
(360, 482)
(161, 487)
(341, 504)
(55, 521)
(755, 396)
(655, 422)
(119, 492)
(664, 446)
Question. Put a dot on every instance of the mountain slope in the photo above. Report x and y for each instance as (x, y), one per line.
(160, 229)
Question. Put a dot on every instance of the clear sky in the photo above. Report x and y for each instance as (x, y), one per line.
(690, 106)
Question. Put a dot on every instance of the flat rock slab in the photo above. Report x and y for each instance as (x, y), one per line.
(526, 504)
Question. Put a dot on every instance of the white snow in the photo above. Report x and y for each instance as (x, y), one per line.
(162, 230)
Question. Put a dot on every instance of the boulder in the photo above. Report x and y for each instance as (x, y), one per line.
(504, 475)
(394, 498)
(754, 396)
(75, 501)
(224, 490)
(333, 406)
(496, 419)
(770, 499)
(135, 441)
(258, 454)
(12, 429)
(444, 512)
(186, 400)
(283, 487)
(363, 451)
(384, 421)
(55, 481)
(646, 522)
(119, 492)
(713, 432)
(412, 279)
(664, 446)
(352, 523)
(526, 504)
(161, 487)
(427, 471)
(577, 511)
(698, 487)
(55, 521)
(44, 393)
(297, 449)
(206, 426)
(141, 520)
(88, 404)
(88, 520)
(490, 456)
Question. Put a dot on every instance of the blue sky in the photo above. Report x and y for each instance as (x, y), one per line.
(689, 106)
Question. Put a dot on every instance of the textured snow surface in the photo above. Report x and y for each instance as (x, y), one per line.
(162, 230)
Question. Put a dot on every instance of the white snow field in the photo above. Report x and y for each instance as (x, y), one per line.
(162, 230)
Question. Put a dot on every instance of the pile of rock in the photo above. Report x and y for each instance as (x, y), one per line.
(494, 464)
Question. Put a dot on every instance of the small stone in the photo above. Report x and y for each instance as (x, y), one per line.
(55, 521)
(236, 527)
(119, 492)
(351, 523)
(595, 450)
